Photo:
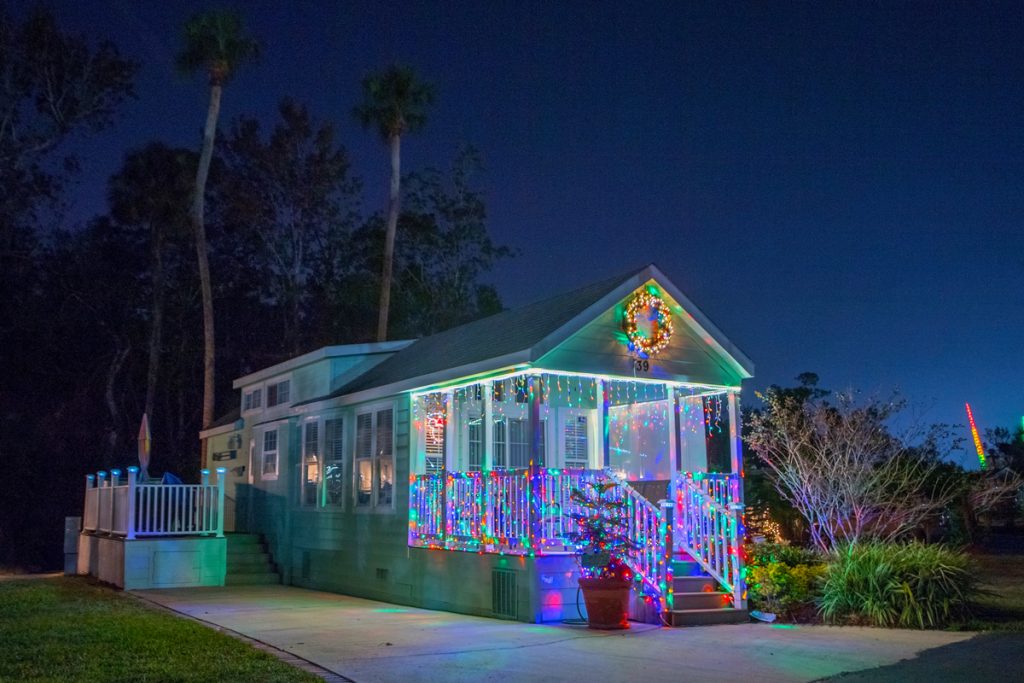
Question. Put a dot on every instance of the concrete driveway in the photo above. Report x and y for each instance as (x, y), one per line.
(365, 641)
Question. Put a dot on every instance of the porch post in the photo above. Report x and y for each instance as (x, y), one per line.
(221, 473)
(133, 473)
(450, 445)
(534, 389)
(115, 477)
(602, 407)
(739, 599)
(488, 397)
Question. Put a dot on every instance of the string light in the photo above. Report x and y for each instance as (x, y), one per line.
(977, 439)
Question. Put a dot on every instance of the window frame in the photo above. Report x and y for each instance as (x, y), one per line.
(264, 475)
(374, 459)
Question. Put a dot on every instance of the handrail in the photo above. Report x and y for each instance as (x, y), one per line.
(706, 524)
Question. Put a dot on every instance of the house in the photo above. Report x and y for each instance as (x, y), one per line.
(438, 472)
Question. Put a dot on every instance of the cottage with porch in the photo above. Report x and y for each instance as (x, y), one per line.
(438, 472)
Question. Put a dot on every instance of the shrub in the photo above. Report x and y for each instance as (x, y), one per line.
(783, 579)
(909, 585)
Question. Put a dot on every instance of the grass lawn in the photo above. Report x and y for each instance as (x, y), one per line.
(1003, 608)
(69, 629)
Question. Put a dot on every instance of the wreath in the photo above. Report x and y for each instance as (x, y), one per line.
(651, 306)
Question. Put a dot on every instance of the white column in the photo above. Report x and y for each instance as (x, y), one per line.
(736, 458)
(602, 426)
(133, 473)
(488, 418)
(450, 433)
(221, 473)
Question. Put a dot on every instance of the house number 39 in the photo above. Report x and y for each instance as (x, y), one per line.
(641, 365)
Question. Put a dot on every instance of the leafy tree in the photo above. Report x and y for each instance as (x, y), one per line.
(445, 250)
(838, 463)
(290, 198)
(215, 43)
(395, 102)
(150, 194)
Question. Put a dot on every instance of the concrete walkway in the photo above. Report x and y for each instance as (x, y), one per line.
(365, 641)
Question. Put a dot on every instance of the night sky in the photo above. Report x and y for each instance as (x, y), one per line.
(839, 187)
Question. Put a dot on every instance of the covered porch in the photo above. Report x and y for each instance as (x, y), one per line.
(495, 459)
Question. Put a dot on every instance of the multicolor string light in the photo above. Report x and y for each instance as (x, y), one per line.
(977, 439)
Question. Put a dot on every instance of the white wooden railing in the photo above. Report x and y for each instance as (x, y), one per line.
(132, 509)
(519, 512)
(707, 526)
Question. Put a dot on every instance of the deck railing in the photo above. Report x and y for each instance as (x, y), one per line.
(132, 509)
(708, 527)
(531, 512)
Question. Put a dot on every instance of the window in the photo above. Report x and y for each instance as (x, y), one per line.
(311, 469)
(476, 445)
(334, 439)
(500, 457)
(375, 462)
(278, 393)
(252, 400)
(269, 468)
(576, 452)
(519, 443)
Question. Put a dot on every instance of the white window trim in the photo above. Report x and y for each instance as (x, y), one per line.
(279, 379)
(374, 505)
(263, 399)
(318, 420)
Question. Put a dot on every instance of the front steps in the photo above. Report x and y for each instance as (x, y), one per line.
(249, 563)
(698, 600)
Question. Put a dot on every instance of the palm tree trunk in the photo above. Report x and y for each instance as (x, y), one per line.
(389, 237)
(199, 225)
(156, 324)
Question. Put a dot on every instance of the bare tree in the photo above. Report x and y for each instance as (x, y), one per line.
(839, 464)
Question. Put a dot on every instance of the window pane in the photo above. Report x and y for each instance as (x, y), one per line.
(519, 444)
(364, 435)
(257, 398)
(384, 424)
(364, 484)
(270, 440)
(284, 391)
(476, 445)
(434, 420)
(333, 466)
(386, 481)
(311, 464)
(576, 451)
(271, 395)
(500, 444)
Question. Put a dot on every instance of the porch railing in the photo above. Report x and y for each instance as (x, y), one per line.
(707, 526)
(519, 512)
(132, 509)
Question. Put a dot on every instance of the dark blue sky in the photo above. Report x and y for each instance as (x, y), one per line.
(839, 186)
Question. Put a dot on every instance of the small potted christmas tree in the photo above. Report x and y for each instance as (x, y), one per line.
(602, 541)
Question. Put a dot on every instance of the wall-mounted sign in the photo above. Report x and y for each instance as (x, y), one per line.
(225, 455)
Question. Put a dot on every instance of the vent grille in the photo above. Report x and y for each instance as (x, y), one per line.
(381, 573)
(503, 593)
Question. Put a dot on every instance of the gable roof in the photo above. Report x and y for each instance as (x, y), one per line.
(495, 336)
(521, 335)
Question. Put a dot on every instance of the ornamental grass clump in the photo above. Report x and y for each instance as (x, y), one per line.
(906, 585)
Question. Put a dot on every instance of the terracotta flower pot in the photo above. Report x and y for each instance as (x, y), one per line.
(607, 602)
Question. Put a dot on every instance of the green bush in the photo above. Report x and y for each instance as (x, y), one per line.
(783, 579)
(909, 585)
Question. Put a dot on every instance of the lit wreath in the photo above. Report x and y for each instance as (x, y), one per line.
(651, 305)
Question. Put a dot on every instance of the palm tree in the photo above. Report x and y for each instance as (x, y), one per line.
(395, 102)
(213, 41)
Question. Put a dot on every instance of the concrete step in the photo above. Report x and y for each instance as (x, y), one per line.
(260, 563)
(254, 579)
(694, 584)
(243, 540)
(701, 600)
(706, 617)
